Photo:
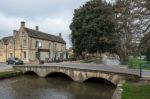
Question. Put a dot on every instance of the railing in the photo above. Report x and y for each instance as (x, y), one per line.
(135, 63)
(147, 65)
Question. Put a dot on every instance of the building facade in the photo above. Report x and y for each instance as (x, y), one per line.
(31, 45)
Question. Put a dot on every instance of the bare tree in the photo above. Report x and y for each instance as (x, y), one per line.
(132, 17)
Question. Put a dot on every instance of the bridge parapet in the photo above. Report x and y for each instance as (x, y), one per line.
(78, 74)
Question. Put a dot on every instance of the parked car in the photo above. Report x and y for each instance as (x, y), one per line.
(14, 61)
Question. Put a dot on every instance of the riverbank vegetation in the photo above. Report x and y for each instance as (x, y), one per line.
(136, 91)
(8, 74)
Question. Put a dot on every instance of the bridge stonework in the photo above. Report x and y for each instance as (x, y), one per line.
(78, 75)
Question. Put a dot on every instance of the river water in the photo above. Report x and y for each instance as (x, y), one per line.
(33, 87)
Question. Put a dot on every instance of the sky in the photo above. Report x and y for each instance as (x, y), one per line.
(52, 16)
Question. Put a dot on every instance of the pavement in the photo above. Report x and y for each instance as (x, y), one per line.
(4, 67)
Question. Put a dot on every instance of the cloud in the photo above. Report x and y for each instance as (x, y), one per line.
(7, 24)
(38, 7)
(52, 16)
(48, 25)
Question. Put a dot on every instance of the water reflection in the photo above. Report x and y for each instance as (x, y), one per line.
(33, 87)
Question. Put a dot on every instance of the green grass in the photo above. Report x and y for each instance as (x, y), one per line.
(135, 64)
(8, 74)
(131, 91)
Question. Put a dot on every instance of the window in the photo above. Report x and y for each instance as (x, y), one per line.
(49, 45)
(24, 55)
(62, 48)
(37, 55)
(38, 44)
(55, 46)
(11, 55)
(24, 43)
(1, 44)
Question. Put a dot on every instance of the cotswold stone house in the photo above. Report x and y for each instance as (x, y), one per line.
(31, 45)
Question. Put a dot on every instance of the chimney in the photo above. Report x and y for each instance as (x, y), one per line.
(59, 34)
(22, 24)
(37, 28)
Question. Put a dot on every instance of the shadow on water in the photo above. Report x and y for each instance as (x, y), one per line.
(54, 86)
(99, 88)
(59, 75)
(95, 80)
(30, 73)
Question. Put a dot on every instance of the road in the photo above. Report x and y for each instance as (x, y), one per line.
(146, 73)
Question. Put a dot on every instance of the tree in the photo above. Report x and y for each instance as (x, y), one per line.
(144, 45)
(133, 21)
(93, 28)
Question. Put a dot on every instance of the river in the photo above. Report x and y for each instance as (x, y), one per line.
(33, 87)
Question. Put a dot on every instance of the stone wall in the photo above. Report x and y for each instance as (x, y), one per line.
(78, 75)
(20, 37)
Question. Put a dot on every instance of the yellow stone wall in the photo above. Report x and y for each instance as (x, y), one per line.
(30, 49)
(5, 53)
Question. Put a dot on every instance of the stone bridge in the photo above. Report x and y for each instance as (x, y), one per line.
(81, 72)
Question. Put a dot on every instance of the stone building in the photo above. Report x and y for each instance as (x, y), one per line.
(32, 45)
(70, 53)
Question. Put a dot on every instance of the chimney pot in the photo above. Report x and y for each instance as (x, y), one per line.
(37, 28)
(22, 24)
(59, 34)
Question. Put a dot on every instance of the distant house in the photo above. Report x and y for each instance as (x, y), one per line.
(70, 52)
(32, 45)
(6, 47)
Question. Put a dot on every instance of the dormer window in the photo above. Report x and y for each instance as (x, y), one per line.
(11, 44)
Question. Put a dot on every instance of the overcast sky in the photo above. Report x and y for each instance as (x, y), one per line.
(52, 16)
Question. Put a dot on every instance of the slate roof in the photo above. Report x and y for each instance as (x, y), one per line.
(41, 35)
(7, 39)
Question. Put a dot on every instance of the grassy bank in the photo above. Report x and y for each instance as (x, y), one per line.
(8, 74)
(133, 91)
(135, 64)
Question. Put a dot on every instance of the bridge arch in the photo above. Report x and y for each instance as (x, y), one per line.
(59, 74)
(31, 72)
(79, 74)
(112, 78)
(99, 80)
